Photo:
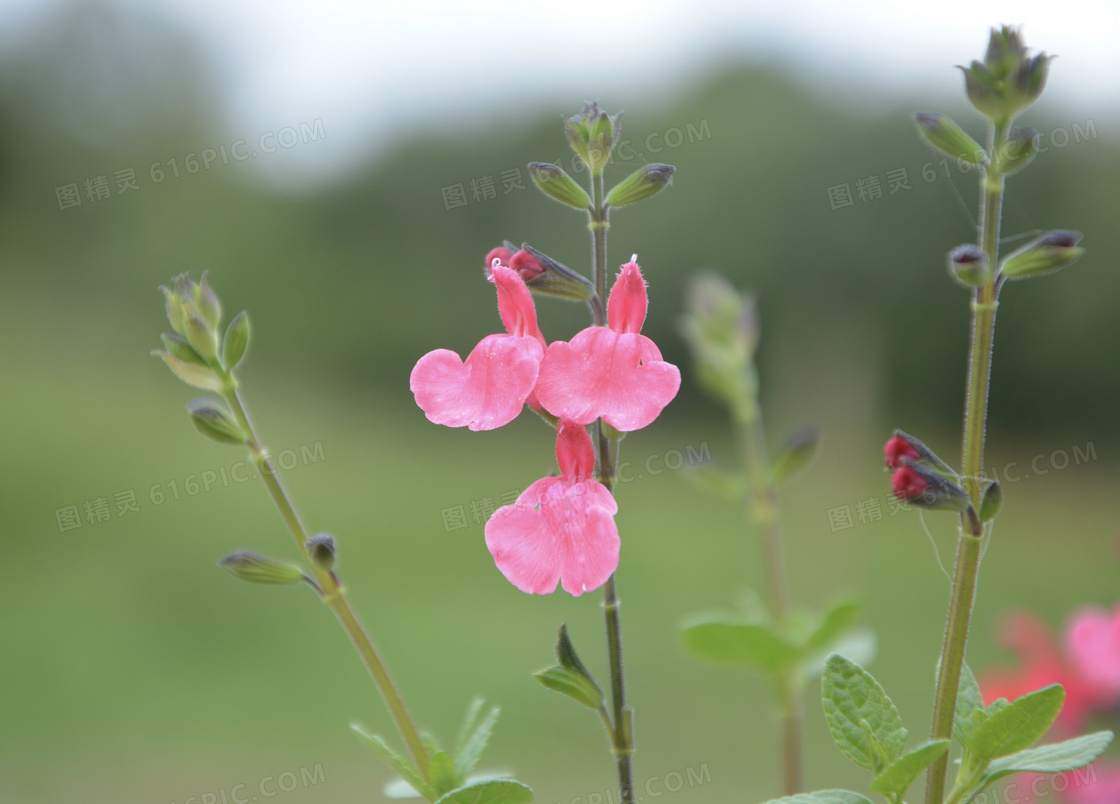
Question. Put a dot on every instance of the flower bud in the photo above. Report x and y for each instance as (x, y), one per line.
(1051, 252)
(555, 183)
(645, 182)
(208, 303)
(902, 447)
(322, 549)
(203, 338)
(1015, 154)
(946, 136)
(991, 501)
(1008, 80)
(922, 486)
(592, 134)
(968, 265)
(212, 420)
(552, 278)
(236, 341)
(192, 373)
(174, 309)
(179, 347)
(256, 568)
(721, 328)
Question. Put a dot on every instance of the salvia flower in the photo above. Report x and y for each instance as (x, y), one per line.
(922, 486)
(489, 389)
(560, 529)
(898, 448)
(903, 446)
(612, 372)
(1093, 642)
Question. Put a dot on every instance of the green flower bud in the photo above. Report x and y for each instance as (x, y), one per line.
(591, 134)
(212, 420)
(942, 133)
(256, 568)
(208, 304)
(991, 501)
(646, 182)
(192, 373)
(1008, 80)
(322, 549)
(181, 348)
(236, 341)
(968, 265)
(1015, 154)
(202, 337)
(174, 309)
(555, 183)
(557, 279)
(1051, 252)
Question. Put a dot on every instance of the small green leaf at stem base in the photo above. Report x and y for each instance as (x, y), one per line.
(577, 687)
(850, 696)
(897, 778)
(473, 738)
(495, 791)
(395, 761)
(441, 770)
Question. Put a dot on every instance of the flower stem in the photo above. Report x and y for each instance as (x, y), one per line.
(984, 304)
(621, 723)
(333, 592)
(762, 508)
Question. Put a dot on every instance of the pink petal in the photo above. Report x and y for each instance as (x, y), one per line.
(515, 304)
(556, 531)
(487, 391)
(1093, 640)
(603, 373)
(574, 451)
(626, 309)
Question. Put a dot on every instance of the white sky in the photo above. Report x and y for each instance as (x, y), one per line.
(364, 68)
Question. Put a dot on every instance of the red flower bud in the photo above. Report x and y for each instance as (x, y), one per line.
(526, 265)
(908, 484)
(898, 448)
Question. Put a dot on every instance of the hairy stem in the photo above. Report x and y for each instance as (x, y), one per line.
(984, 304)
(621, 728)
(333, 592)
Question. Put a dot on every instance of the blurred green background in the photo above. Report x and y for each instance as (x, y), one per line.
(134, 670)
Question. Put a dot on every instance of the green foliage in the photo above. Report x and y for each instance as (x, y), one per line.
(756, 646)
(1055, 758)
(796, 454)
(823, 797)
(473, 737)
(495, 791)
(571, 677)
(863, 720)
(969, 700)
(900, 774)
(1013, 728)
(397, 762)
(236, 341)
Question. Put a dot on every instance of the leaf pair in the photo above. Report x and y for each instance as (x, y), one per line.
(449, 775)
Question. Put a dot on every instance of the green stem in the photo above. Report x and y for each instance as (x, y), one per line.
(621, 725)
(762, 508)
(333, 592)
(984, 304)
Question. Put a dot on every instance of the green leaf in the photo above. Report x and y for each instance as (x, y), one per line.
(470, 750)
(577, 687)
(823, 797)
(466, 728)
(441, 769)
(1017, 726)
(850, 695)
(897, 778)
(567, 656)
(1054, 758)
(858, 645)
(192, 373)
(969, 700)
(835, 622)
(395, 761)
(717, 482)
(796, 454)
(497, 791)
(755, 646)
(235, 342)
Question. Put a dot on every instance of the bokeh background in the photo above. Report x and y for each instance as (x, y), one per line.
(134, 670)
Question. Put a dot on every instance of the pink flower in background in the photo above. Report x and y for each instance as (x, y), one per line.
(1093, 642)
(489, 389)
(1042, 663)
(1099, 784)
(613, 372)
(561, 528)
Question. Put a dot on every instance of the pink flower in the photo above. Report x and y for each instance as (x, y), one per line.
(898, 448)
(1099, 784)
(490, 388)
(1093, 642)
(561, 528)
(613, 372)
(526, 265)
